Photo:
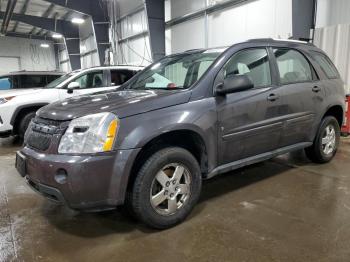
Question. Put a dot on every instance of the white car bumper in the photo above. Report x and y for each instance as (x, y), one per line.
(5, 119)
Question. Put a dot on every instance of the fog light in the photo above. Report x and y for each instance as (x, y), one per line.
(61, 176)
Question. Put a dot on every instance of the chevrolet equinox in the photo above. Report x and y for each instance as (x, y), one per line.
(190, 116)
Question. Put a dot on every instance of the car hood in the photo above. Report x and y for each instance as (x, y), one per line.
(122, 103)
(18, 92)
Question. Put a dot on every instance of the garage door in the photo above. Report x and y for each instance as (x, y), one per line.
(9, 64)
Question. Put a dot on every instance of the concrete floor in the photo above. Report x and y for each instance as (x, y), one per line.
(286, 209)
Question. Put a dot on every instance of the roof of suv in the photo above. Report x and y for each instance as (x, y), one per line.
(24, 72)
(267, 41)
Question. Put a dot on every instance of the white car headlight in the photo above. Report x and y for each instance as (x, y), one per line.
(90, 134)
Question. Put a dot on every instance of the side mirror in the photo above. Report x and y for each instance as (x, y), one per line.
(234, 83)
(71, 86)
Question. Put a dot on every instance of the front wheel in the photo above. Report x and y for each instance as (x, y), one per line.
(326, 142)
(24, 123)
(166, 188)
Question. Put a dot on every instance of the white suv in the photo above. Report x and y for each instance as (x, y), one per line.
(18, 106)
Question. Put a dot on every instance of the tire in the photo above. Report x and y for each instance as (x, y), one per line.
(177, 192)
(24, 123)
(318, 152)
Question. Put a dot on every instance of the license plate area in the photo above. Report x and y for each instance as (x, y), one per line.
(21, 164)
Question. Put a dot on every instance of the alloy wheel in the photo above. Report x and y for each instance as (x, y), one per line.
(171, 189)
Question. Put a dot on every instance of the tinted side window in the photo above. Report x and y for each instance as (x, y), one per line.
(119, 77)
(293, 66)
(90, 80)
(51, 78)
(5, 83)
(30, 81)
(253, 63)
(326, 65)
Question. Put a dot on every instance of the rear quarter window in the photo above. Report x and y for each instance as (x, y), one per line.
(32, 81)
(326, 65)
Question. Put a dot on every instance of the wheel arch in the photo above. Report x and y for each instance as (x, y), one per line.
(336, 111)
(184, 138)
(22, 110)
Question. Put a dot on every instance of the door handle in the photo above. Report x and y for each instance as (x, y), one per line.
(316, 89)
(273, 97)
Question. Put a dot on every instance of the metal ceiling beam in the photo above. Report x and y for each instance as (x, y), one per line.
(23, 11)
(48, 10)
(99, 15)
(63, 27)
(30, 36)
(156, 27)
(87, 7)
(7, 15)
(303, 18)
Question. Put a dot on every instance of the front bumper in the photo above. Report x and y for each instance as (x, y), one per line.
(92, 181)
(5, 121)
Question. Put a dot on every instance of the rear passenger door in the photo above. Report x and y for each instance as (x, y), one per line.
(249, 121)
(302, 93)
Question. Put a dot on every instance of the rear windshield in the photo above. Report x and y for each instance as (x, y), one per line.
(326, 65)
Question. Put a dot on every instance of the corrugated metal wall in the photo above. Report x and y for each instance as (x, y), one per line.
(129, 29)
(332, 34)
(335, 41)
(251, 19)
(29, 54)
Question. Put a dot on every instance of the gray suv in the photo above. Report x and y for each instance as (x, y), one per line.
(185, 118)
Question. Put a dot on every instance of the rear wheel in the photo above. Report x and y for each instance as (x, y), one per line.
(24, 123)
(166, 188)
(326, 142)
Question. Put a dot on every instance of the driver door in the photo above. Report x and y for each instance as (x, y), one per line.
(249, 121)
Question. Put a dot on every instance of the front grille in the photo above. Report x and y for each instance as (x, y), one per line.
(40, 132)
(39, 140)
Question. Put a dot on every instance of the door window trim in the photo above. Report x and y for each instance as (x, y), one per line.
(85, 73)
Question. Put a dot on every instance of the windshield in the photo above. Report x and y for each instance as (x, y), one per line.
(59, 80)
(174, 72)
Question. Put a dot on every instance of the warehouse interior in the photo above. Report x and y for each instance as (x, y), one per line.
(283, 209)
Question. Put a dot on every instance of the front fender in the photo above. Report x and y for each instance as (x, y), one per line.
(197, 116)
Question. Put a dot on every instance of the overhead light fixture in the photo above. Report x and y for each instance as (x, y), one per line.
(44, 45)
(78, 21)
(56, 36)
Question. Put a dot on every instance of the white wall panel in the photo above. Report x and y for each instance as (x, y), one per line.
(126, 6)
(332, 12)
(262, 18)
(12, 63)
(135, 52)
(88, 44)
(335, 41)
(188, 35)
(253, 19)
(182, 7)
(32, 57)
(63, 57)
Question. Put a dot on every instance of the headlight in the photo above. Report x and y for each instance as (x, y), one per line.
(4, 100)
(90, 134)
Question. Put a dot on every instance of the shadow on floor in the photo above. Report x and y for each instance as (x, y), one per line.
(91, 225)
